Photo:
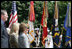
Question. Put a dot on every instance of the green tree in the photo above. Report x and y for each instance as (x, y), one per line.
(23, 10)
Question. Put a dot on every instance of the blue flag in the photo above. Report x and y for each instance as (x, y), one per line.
(67, 26)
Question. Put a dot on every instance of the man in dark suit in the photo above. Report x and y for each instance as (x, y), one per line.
(4, 34)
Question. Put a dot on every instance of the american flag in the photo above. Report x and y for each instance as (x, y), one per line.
(13, 16)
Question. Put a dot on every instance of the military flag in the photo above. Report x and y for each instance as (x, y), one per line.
(30, 22)
(56, 29)
(67, 26)
(44, 22)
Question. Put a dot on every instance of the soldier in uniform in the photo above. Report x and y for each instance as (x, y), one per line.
(49, 40)
(37, 37)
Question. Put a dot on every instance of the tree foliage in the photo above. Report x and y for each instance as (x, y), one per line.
(23, 10)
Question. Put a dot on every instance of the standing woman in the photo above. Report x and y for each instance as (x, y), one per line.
(23, 39)
(14, 35)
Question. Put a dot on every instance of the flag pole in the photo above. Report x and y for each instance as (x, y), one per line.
(56, 29)
(39, 33)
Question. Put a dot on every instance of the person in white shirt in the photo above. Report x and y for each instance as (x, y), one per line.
(37, 35)
(49, 40)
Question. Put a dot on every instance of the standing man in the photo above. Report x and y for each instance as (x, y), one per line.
(4, 34)
(49, 40)
(37, 36)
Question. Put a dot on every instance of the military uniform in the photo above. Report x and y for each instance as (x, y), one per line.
(49, 42)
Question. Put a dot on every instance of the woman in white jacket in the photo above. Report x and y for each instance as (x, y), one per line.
(23, 39)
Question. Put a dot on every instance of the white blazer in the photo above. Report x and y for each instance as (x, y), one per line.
(23, 41)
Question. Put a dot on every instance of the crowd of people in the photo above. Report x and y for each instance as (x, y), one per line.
(17, 35)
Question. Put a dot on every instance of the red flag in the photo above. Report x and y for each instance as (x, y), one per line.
(32, 14)
(44, 22)
(30, 22)
(44, 35)
(42, 18)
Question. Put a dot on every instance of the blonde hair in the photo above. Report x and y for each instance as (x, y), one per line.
(14, 28)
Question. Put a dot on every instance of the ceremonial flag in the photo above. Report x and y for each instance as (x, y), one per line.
(67, 21)
(30, 22)
(32, 14)
(56, 29)
(67, 25)
(13, 16)
(44, 22)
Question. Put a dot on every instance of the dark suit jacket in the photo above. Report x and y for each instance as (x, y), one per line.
(4, 36)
